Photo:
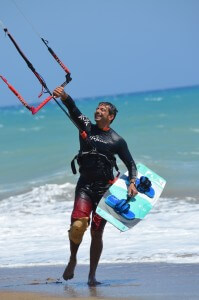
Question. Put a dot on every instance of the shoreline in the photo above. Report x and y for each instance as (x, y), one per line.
(146, 281)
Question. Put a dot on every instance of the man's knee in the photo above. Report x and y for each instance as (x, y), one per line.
(96, 234)
(77, 229)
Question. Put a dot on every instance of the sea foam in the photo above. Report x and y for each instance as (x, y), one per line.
(40, 219)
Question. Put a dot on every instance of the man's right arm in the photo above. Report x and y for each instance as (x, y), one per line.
(80, 120)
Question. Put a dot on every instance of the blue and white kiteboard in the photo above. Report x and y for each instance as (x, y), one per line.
(133, 209)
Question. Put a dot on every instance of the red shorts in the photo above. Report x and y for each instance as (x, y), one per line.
(87, 196)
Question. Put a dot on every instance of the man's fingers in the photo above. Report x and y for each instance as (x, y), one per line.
(133, 192)
(58, 91)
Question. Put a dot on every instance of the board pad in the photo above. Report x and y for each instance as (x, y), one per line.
(140, 205)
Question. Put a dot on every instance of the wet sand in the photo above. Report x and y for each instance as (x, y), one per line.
(139, 281)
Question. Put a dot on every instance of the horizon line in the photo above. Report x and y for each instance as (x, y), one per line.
(144, 91)
(119, 94)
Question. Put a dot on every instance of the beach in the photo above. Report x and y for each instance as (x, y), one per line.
(147, 281)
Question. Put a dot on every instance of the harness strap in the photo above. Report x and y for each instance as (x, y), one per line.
(114, 179)
(73, 167)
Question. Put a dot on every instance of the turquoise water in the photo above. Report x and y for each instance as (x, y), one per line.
(37, 186)
(161, 129)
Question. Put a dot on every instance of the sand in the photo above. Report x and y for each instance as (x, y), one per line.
(139, 281)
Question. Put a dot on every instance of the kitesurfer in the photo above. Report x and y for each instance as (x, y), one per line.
(96, 159)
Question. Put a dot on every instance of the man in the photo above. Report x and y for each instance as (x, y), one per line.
(98, 145)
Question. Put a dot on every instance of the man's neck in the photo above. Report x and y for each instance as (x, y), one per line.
(104, 127)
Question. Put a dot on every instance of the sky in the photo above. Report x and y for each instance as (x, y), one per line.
(110, 46)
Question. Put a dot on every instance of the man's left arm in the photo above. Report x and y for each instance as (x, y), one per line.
(125, 155)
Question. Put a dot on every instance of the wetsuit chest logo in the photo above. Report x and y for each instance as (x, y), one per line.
(97, 138)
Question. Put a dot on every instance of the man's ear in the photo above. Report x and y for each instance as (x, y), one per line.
(111, 117)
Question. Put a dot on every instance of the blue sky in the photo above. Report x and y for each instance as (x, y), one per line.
(110, 46)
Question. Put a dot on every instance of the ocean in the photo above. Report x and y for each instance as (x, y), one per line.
(37, 185)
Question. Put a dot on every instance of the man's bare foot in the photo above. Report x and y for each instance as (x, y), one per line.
(92, 281)
(69, 271)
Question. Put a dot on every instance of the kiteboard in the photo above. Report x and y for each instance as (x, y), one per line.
(123, 212)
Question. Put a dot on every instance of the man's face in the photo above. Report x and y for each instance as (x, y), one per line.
(102, 114)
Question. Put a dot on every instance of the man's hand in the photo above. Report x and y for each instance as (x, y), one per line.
(60, 93)
(132, 191)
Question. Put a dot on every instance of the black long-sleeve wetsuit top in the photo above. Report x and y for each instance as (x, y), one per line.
(107, 143)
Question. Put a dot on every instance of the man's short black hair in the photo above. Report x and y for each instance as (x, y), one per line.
(112, 109)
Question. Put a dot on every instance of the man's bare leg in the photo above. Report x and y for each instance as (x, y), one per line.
(70, 268)
(95, 253)
(76, 232)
